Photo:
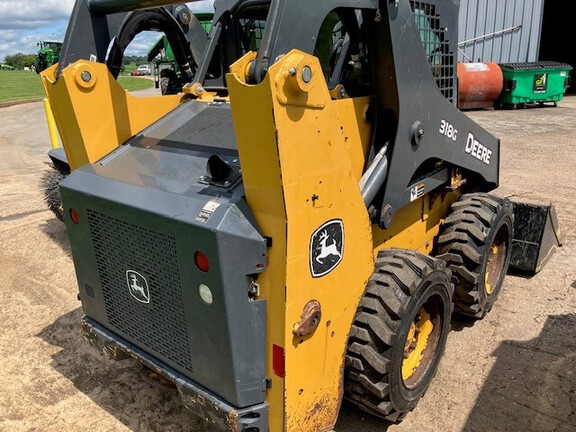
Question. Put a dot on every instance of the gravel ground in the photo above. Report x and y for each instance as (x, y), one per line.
(514, 371)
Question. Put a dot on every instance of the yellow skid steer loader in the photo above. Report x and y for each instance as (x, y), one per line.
(295, 227)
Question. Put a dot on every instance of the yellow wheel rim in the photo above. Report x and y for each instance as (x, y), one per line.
(416, 343)
(495, 265)
(488, 277)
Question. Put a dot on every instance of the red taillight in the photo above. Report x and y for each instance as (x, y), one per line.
(201, 262)
(278, 361)
(74, 216)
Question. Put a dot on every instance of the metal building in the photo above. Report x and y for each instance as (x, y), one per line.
(500, 31)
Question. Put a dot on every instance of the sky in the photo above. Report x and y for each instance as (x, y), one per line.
(25, 22)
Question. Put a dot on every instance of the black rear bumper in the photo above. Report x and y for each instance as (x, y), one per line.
(197, 399)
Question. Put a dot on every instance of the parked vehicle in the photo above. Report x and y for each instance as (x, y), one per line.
(48, 55)
(296, 228)
(144, 70)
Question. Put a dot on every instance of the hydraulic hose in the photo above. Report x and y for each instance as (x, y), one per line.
(159, 20)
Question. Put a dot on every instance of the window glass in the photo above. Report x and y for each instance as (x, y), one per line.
(329, 43)
(251, 25)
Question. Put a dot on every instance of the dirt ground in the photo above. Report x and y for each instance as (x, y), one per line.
(514, 371)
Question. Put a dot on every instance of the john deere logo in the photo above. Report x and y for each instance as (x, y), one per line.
(326, 248)
(138, 286)
(540, 83)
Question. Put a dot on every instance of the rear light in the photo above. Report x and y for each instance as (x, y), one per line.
(278, 361)
(74, 216)
(201, 261)
(206, 294)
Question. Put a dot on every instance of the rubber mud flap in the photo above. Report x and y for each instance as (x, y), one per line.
(536, 236)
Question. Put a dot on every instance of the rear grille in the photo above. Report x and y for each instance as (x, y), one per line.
(213, 127)
(159, 325)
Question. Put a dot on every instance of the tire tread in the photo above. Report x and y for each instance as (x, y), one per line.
(462, 245)
(397, 275)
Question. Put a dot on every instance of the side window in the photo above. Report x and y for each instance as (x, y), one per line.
(329, 43)
(251, 24)
(343, 53)
(429, 36)
(251, 33)
(437, 47)
(241, 32)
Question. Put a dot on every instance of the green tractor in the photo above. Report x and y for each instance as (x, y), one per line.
(166, 72)
(48, 55)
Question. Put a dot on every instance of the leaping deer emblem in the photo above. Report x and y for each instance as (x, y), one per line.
(326, 250)
(136, 287)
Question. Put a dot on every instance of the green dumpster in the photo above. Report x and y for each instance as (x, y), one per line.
(534, 83)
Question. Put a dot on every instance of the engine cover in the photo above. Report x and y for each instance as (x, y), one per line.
(143, 213)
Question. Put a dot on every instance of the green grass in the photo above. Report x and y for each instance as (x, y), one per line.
(22, 85)
(134, 83)
(127, 69)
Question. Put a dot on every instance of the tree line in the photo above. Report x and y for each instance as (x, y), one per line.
(139, 60)
(20, 60)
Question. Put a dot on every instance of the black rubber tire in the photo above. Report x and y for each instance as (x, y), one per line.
(402, 282)
(51, 185)
(40, 67)
(464, 243)
(165, 85)
(169, 83)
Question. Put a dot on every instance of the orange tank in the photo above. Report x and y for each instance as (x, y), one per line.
(479, 85)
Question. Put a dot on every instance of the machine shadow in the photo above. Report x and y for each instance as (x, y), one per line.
(353, 418)
(532, 386)
(120, 388)
(56, 230)
(461, 322)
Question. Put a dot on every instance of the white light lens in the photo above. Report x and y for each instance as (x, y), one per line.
(205, 294)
